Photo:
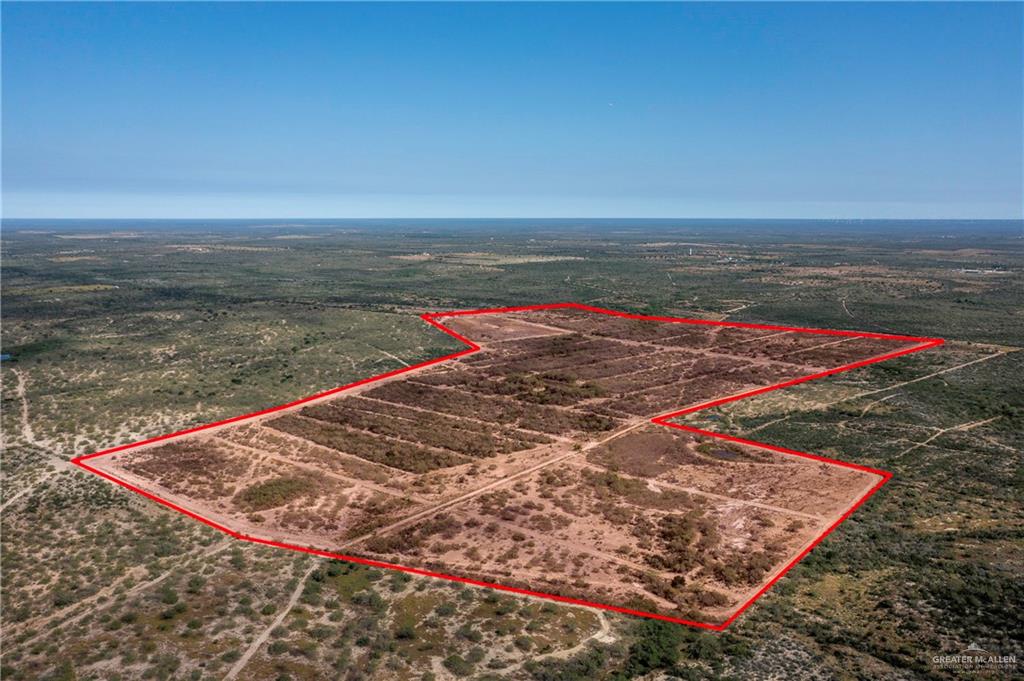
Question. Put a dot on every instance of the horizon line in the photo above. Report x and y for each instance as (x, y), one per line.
(529, 217)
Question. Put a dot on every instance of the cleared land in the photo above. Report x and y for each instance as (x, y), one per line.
(533, 464)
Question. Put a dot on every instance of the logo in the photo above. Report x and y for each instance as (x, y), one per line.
(974, 658)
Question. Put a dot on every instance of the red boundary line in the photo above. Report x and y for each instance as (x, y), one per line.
(664, 419)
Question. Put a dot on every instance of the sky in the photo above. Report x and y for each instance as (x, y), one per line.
(235, 110)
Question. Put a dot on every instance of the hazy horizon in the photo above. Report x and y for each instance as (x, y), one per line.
(291, 221)
(471, 217)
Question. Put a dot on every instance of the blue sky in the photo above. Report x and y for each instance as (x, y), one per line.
(526, 110)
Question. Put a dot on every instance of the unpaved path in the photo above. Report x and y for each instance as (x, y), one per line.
(846, 309)
(711, 495)
(953, 429)
(602, 635)
(29, 436)
(468, 419)
(28, 488)
(352, 482)
(388, 354)
(265, 634)
(925, 378)
(874, 404)
(747, 597)
(26, 423)
(744, 304)
(825, 405)
(494, 485)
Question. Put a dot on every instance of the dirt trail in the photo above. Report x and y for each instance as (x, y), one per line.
(27, 433)
(825, 405)
(813, 541)
(426, 513)
(320, 471)
(655, 346)
(925, 378)
(874, 404)
(379, 436)
(468, 419)
(29, 436)
(953, 429)
(602, 635)
(493, 485)
(265, 634)
(388, 354)
(547, 328)
(743, 306)
(711, 495)
(815, 347)
(846, 309)
(28, 488)
(751, 340)
(397, 472)
(580, 546)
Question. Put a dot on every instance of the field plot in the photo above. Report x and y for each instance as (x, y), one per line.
(530, 462)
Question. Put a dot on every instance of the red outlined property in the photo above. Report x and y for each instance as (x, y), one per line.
(543, 460)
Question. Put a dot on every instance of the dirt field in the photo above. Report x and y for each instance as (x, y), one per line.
(532, 463)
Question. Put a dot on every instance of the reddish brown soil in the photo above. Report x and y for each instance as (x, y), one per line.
(531, 463)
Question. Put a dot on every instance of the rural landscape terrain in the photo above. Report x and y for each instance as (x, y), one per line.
(530, 463)
(533, 462)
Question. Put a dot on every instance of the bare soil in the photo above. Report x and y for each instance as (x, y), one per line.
(532, 463)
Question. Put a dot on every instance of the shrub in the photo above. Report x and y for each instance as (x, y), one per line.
(273, 493)
(457, 665)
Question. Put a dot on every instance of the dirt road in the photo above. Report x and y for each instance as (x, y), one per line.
(265, 634)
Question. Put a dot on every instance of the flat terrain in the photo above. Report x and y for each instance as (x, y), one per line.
(120, 331)
(532, 463)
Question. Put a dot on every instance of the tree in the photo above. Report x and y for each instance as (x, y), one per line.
(656, 647)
